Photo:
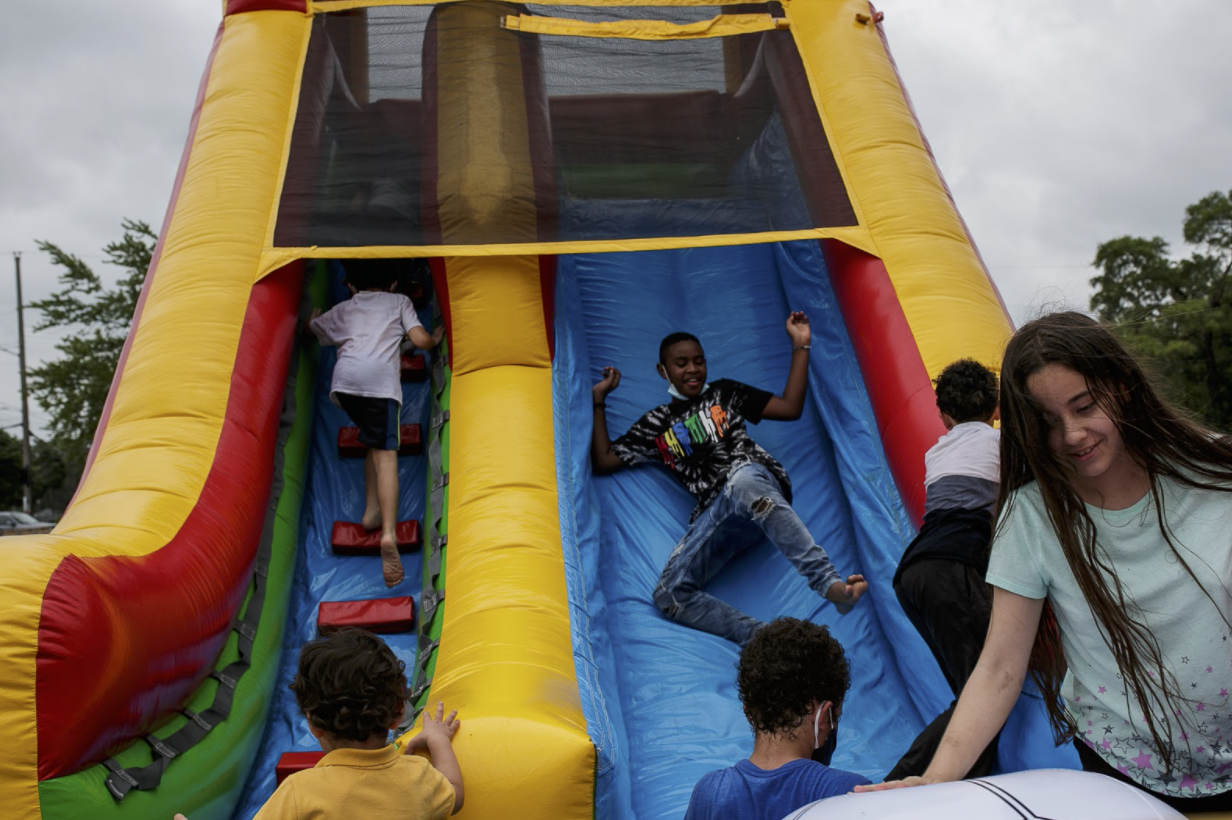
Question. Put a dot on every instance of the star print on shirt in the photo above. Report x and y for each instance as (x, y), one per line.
(1143, 760)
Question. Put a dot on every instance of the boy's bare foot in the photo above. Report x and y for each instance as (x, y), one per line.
(391, 561)
(845, 594)
(371, 519)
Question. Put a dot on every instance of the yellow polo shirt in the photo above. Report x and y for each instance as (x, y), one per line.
(363, 783)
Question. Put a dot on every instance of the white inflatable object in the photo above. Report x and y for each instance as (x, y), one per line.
(1042, 794)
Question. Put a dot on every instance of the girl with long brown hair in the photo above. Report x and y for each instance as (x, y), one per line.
(1111, 569)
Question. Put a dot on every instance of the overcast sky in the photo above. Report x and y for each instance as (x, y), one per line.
(1057, 125)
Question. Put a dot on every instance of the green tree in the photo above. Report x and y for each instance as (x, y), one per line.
(73, 388)
(10, 471)
(54, 480)
(1177, 311)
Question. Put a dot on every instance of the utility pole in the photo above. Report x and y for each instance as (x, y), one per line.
(27, 481)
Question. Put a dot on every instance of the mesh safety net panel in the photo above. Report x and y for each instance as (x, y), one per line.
(415, 119)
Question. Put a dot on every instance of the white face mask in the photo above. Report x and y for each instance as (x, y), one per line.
(817, 727)
(676, 394)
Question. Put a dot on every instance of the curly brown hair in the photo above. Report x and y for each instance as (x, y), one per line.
(350, 684)
(786, 667)
(966, 391)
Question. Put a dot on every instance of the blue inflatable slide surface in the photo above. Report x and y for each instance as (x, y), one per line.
(659, 698)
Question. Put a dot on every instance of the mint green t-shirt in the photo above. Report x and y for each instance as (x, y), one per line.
(1194, 639)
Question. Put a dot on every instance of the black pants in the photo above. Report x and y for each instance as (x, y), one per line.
(949, 604)
(1091, 762)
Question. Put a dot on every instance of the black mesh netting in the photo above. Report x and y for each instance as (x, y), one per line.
(433, 125)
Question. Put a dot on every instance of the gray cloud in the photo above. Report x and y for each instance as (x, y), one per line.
(1060, 126)
(1056, 125)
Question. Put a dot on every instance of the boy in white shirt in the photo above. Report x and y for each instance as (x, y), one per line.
(940, 579)
(369, 329)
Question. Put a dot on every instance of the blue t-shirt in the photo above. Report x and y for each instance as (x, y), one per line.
(749, 793)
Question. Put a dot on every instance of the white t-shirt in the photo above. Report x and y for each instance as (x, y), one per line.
(1193, 638)
(368, 329)
(963, 469)
(972, 448)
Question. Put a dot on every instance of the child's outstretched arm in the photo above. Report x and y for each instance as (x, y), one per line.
(790, 405)
(601, 455)
(988, 696)
(424, 340)
(437, 738)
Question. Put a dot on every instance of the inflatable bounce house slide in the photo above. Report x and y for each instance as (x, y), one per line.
(582, 177)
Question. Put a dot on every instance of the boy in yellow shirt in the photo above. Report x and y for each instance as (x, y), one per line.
(352, 689)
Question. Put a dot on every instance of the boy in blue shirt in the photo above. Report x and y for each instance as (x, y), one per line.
(792, 678)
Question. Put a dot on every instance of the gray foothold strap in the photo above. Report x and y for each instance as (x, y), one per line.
(420, 689)
(427, 606)
(425, 656)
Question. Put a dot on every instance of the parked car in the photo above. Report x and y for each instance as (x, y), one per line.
(19, 523)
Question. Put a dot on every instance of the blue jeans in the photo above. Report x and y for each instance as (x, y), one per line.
(750, 496)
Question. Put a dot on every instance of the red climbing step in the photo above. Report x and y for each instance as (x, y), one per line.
(350, 538)
(383, 615)
(292, 762)
(349, 446)
(414, 369)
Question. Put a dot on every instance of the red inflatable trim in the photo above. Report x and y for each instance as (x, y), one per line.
(547, 291)
(123, 642)
(383, 615)
(440, 284)
(240, 6)
(894, 374)
(350, 538)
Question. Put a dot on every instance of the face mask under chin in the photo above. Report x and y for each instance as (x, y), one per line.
(676, 394)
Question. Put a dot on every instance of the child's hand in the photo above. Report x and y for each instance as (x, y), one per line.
(438, 334)
(798, 328)
(611, 378)
(180, 817)
(438, 725)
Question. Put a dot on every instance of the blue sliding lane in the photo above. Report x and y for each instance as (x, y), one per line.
(335, 492)
(660, 698)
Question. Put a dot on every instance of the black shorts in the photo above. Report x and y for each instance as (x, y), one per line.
(377, 419)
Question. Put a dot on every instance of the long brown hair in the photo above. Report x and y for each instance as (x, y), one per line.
(1161, 440)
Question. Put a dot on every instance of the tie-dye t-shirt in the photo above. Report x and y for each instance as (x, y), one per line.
(1194, 640)
(702, 440)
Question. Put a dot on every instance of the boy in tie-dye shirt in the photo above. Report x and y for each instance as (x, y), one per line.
(700, 437)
